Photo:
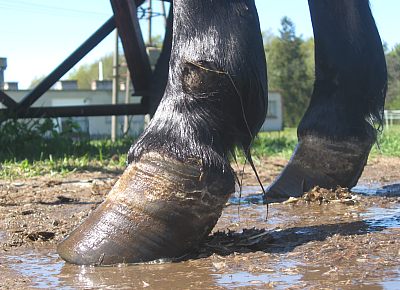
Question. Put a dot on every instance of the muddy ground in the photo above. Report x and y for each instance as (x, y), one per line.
(332, 241)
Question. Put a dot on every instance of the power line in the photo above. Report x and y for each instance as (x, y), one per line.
(31, 7)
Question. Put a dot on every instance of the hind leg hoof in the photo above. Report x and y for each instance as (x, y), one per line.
(323, 162)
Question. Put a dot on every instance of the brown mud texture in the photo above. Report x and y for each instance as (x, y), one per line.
(325, 240)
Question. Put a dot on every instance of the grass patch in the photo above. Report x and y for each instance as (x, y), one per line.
(61, 157)
(27, 168)
(388, 142)
(279, 144)
(31, 148)
(40, 149)
(283, 143)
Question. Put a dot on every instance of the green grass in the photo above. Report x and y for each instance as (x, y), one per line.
(26, 168)
(35, 148)
(282, 143)
(33, 155)
(388, 142)
(275, 143)
(61, 157)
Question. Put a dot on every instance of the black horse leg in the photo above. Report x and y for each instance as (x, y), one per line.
(338, 129)
(179, 177)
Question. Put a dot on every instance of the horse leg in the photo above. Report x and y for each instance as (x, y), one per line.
(338, 129)
(179, 177)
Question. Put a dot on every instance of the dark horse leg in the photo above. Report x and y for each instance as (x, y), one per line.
(179, 177)
(337, 131)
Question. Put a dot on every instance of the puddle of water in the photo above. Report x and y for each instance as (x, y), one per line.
(254, 269)
(248, 195)
(378, 216)
(253, 195)
(245, 279)
(391, 190)
(42, 268)
(280, 278)
(47, 271)
(383, 217)
(393, 283)
(364, 189)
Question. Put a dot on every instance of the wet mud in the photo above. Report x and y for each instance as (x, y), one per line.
(332, 240)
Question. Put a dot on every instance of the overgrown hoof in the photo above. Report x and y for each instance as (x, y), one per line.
(322, 162)
(159, 208)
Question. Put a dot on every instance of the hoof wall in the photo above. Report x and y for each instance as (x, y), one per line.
(321, 162)
(159, 208)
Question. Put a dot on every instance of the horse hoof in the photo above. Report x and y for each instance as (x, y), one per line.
(322, 162)
(159, 208)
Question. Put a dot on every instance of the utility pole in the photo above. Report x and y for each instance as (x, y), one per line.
(164, 13)
(149, 19)
(127, 95)
(115, 88)
(3, 66)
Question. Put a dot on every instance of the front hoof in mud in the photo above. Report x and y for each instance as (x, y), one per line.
(159, 208)
(322, 162)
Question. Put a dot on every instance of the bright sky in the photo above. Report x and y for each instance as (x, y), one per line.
(37, 35)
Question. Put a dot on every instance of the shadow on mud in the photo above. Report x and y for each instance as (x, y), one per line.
(278, 241)
(67, 200)
(94, 168)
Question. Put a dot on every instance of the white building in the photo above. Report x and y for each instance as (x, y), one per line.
(274, 120)
(66, 93)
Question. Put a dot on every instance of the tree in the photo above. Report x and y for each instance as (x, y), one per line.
(36, 80)
(87, 73)
(393, 67)
(288, 56)
(156, 41)
(307, 48)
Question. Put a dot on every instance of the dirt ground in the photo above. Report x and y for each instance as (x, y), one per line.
(327, 241)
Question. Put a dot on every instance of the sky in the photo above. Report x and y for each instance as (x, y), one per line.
(37, 35)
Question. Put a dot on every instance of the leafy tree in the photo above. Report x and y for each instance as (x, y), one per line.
(307, 48)
(393, 66)
(289, 62)
(156, 41)
(36, 81)
(87, 73)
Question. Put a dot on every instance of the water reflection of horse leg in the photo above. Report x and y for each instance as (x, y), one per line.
(191, 274)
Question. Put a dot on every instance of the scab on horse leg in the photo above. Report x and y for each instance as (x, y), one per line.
(337, 131)
(179, 177)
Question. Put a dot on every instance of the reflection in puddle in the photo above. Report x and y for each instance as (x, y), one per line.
(253, 194)
(47, 271)
(383, 217)
(377, 189)
(248, 195)
(42, 268)
(243, 279)
(392, 283)
(284, 274)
